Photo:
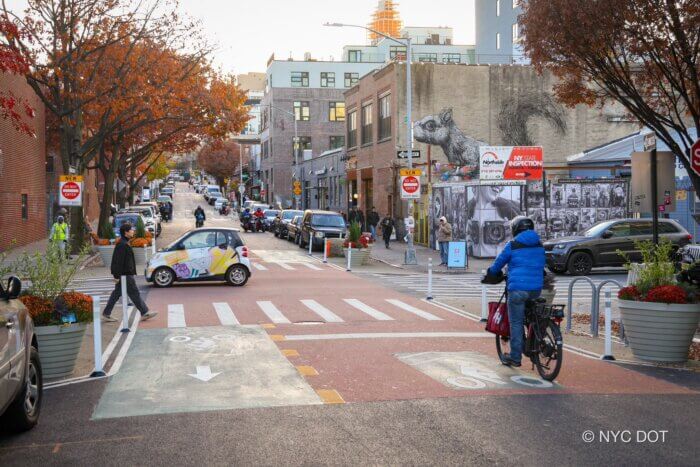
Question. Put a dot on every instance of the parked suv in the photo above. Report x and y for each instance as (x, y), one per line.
(599, 245)
(316, 226)
(21, 383)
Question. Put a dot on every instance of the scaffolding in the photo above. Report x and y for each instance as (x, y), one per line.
(386, 20)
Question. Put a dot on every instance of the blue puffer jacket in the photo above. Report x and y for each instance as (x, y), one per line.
(525, 259)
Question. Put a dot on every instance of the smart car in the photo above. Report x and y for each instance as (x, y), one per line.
(204, 254)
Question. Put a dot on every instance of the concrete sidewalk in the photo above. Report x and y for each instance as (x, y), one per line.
(394, 256)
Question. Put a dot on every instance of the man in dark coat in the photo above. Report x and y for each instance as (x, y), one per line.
(387, 228)
(124, 264)
(372, 221)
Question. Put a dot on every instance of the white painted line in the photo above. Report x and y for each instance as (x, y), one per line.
(322, 311)
(125, 347)
(273, 313)
(176, 316)
(312, 266)
(376, 314)
(113, 343)
(414, 310)
(225, 314)
(259, 267)
(385, 335)
(451, 309)
(285, 266)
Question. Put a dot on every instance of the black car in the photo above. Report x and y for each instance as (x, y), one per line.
(279, 225)
(599, 246)
(317, 226)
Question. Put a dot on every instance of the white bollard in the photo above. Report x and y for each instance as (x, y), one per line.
(484, 301)
(325, 251)
(311, 243)
(430, 279)
(125, 306)
(349, 258)
(608, 355)
(153, 247)
(97, 336)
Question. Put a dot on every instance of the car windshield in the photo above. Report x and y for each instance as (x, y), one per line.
(290, 214)
(327, 220)
(596, 229)
(119, 220)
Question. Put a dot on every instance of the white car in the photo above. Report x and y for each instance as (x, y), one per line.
(204, 254)
(219, 202)
(151, 222)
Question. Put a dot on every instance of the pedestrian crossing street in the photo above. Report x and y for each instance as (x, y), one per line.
(469, 286)
(313, 311)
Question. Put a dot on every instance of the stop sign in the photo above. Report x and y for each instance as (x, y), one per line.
(410, 184)
(70, 190)
(695, 157)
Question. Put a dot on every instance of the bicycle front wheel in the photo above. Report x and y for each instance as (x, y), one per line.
(502, 347)
(549, 352)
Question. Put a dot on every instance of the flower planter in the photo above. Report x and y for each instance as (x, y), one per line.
(659, 332)
(359, 257)
(59, 347)
(106, 252)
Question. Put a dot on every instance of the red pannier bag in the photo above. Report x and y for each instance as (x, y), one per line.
(497, 322)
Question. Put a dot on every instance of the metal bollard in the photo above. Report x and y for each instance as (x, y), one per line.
(349, 258)
(125, 306)
(325, 251)
(608, 328)
(430, 279)
(97, 336)
(311, 243)
(484, 301)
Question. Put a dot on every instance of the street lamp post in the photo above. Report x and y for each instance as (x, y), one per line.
(410, 256)
(295, 145)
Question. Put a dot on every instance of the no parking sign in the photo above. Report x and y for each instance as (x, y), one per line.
(70, 190)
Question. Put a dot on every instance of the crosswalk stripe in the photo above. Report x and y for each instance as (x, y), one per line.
(259, 267)
(226, 316)
(414, 310)
(176, 316)
(273, 313)
(312, 266)
(376, 314)
(286, 266)
(322, 311)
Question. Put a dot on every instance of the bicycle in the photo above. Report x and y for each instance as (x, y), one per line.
(543, 343)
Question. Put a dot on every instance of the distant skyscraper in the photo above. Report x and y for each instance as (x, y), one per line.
(385, 20)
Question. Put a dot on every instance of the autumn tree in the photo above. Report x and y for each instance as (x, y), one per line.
(220, 160)
(13, 108)
(643, 54)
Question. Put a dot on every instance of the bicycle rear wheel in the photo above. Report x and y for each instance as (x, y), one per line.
(549, 352)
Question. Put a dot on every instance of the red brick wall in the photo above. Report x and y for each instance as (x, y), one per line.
(22, 171)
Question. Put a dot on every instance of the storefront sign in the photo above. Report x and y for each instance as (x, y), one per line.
(510, 162)
(457, 255)
(70, 190)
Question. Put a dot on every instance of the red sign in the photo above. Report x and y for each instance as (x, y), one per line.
(695, 157)
(524, 163)
(410, 184)
(70, 190)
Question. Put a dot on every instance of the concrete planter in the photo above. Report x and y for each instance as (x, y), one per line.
(59, 347)
(141, 255)
(659, 332)
(106, 252)
(359, 256)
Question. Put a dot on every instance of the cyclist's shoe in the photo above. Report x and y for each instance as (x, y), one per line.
(509, 361)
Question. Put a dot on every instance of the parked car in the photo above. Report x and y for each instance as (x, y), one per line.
(204, 254)
(218, 202)
(124, 217)
(154, 208)
(165, 199)
(599, 245)
(294, 229)
(282, 220)
(21, 382)
(319, 225)
(151, 222)
(270, 215)
(167, 191)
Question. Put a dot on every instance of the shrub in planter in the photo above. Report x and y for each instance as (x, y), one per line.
(68, 306)
(355, 239)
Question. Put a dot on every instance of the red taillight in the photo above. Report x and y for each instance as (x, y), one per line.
(689, 237)
(244, 251)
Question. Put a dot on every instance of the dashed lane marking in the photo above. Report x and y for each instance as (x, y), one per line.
(226, 316)
(176, 316)
(290, 353)
(306, 370)
(286, 266)
(273, 313)
(414, 310)
(382, 335)
(259, 267)
(330, 396)
(322, 311)
(312, 266)
(376, 314)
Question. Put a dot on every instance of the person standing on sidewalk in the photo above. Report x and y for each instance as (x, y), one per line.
(444, 237)
(361, 219)
(372, 221)
(387, 228)
(124, 264)
(59, 234)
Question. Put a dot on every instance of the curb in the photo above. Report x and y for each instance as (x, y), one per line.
(435, 271)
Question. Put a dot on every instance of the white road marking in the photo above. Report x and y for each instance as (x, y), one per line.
(312, 266)
(322, 311)
(176, 316)
(226, 316)
(259, 267)
(273, 313)
(376, 314)
(414, 310)
(125, 347)
(285, 266)
(385, 335)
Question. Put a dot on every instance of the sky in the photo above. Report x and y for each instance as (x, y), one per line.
(248, 32)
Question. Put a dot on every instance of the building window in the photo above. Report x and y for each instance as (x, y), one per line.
(327, 80)
(384, 117)
(336, 112)
(354, 56)
(367, 124)
(336, 142)
(300, 79)
(397, 52)
(49, 164)
(351, 79)
(25, 207)
(452, 58)
(498, 7)
(301, 111)
(265, 149)
(352, 129)
(427, 58)
(265, 118)
(515, 32)
(303, 145)
(498, 40)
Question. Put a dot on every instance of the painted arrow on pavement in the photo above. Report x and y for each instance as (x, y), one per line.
(204, 373)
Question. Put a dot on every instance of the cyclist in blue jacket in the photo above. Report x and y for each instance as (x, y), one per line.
(525, 258)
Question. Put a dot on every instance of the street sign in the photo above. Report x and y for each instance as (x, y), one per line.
(410, 187)
(510, 162)
(415, 154)
(695, 157)
(649, 141)
(407, 172)
(297, 190)
(70, 190)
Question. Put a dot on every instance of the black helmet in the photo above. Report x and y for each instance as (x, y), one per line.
(520, 224)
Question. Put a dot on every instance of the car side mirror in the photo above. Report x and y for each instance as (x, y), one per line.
(13, 289)
(607, 234)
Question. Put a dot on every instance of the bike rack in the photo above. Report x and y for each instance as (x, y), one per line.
(570, 301)
(596, 307)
